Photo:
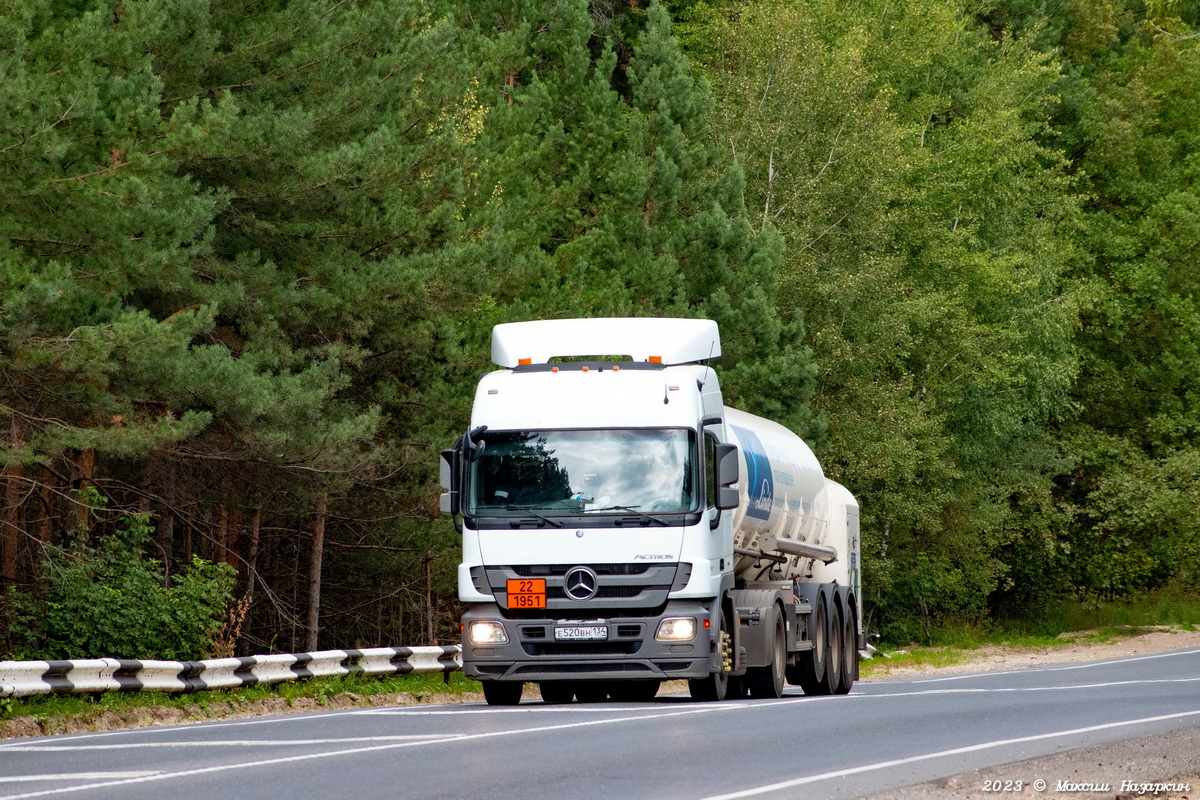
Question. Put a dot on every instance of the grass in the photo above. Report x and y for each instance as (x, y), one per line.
(1095, 622)
(916, 657)
(321, 691)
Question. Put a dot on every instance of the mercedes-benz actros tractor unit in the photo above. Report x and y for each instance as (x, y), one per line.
(621, 526)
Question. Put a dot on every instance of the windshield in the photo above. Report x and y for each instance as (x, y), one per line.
(582, 471)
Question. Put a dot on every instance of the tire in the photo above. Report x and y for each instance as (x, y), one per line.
(715, 686)
(591, 691)
(557, 692)
(811, 667)
(767, 682)
(502, 693)
(849, 665)
(636, 691)
(833, 663)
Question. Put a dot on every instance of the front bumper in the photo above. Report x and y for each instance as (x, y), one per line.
(629, 652)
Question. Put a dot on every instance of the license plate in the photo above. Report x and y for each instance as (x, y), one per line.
(581, 632)
(527, 593)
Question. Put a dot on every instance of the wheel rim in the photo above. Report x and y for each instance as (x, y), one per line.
(820, 643)
(779, 658)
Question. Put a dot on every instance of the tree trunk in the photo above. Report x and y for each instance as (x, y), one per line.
(235, 534)
(314, 573)
(46, 523)
(429, 597)
(10, 537)
(189, 548)
(85, 463)
(222, 543)
(164, 535)
(251, 575)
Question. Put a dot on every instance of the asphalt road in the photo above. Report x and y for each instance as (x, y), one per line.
(881, 736)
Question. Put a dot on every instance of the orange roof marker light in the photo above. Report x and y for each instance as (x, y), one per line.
(655, 359)
(522, 362)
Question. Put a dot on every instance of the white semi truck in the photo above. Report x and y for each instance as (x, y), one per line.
(622, 526)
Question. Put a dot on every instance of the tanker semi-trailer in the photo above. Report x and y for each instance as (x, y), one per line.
(621, 526)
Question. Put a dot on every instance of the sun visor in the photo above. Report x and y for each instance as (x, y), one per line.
(666, 341)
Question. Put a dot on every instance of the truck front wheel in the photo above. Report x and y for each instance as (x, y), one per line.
(506, 693)
(716, 685)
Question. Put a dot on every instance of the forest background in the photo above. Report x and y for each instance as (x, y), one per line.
(251, 253)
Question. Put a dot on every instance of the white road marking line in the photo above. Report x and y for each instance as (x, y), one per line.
(709, 708)
(842, 773)
(1012, 689)
(1061, 669)
(76, 776)
(208, 725)
(51, 747)
(532, 708)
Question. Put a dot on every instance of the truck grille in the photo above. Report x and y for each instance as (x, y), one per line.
(601, 592)
(620, 588)
(546, 570)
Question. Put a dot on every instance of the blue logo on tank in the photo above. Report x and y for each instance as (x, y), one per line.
(761, 478)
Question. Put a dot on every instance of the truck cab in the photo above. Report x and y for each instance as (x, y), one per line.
(595, 490)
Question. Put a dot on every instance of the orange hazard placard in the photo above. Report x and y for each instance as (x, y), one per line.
(527, 593)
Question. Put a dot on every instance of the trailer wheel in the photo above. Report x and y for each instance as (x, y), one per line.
(502, 693)
(557, 692)
(812, 665)
(715, 686)
(849, 665)
(767, 682)
(591, 691)
(833, 664)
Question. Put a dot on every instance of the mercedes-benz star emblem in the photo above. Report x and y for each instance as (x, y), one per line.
(580, 584)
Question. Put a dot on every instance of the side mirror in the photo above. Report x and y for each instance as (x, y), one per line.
(725, 457)
(728, 498)
(450, 471)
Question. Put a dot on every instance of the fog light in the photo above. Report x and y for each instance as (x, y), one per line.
(487, 633)
(676, 630)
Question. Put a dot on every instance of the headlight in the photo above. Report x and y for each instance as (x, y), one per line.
(487, 633)
(676, 630)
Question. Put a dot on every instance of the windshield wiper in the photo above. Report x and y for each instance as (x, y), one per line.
(631, 510)
(515, 523)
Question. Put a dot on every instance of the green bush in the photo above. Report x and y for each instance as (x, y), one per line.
(110, 601)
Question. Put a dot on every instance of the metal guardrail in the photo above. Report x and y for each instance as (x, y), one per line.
(25, 678)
